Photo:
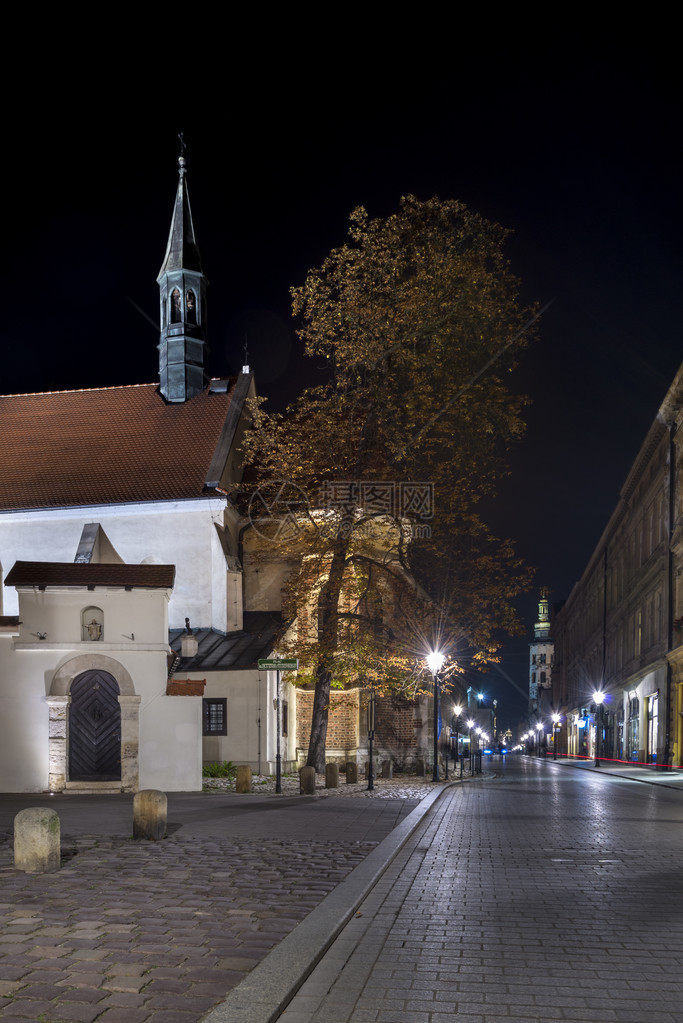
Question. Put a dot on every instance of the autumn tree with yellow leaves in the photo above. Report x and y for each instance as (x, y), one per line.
(416, 324)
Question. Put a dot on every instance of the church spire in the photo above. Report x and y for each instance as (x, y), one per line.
(182, 295)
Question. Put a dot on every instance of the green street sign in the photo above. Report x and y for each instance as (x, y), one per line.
(278, 664)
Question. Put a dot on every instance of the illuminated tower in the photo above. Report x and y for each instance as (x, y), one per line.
(182, 293)
(540, 656)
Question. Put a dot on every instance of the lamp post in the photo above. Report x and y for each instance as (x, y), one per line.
(539, 729)
(371, 736)
(470, 725)
(457, 711)
(599, 700)
(435, 662)
(556, 732)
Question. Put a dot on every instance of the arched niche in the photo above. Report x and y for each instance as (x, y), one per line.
(92, 624)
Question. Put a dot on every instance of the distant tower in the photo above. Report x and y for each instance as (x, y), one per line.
(540, 655)
(182, 294)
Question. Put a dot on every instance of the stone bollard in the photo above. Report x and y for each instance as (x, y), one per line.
(243, 780)
(351, 772)
(36, 840)
(388, 769)
(420, 768)
(307, 781)
(150, 807)
(331, 776)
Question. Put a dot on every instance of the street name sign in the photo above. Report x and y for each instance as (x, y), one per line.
(278, 664)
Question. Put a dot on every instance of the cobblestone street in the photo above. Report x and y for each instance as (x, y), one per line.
(137, 932)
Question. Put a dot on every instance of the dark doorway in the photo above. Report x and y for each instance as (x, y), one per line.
(94, 728)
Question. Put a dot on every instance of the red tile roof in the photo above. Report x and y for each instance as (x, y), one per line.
(111, 445)
(59, 573)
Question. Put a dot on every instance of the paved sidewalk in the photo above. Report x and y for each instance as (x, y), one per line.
(650, 774)
(542, 895)
(137, 932)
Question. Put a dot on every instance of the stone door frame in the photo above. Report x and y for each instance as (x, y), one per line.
(58, 702)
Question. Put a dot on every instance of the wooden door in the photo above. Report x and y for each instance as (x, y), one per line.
(94, 728)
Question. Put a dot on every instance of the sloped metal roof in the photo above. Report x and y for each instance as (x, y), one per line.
(234, 651)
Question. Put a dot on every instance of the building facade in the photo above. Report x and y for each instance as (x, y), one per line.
(618, 679)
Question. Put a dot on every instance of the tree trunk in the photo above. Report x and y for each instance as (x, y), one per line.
(329, 608)
(321, 703)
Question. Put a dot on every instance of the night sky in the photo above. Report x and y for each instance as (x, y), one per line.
(577, 152)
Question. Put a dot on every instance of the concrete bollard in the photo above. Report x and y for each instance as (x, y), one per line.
(243, 780)
(420, 768)
(307, 781)
(331, 776)
(37, 840)
(150, 807)
(351, 772)
(388, 769)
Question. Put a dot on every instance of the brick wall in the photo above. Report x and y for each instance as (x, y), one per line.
(342, 723)
(395, 725)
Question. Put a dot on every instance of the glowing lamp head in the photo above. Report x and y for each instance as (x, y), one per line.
(435, 661)
(539, 726)
(470, 724)
(599, 698)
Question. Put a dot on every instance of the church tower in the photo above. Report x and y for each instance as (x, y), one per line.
(182, 294)
(540, 656)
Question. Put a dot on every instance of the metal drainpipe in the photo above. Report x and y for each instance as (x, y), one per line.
(670, 584)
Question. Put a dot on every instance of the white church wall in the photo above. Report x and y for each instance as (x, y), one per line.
(251, 722)
(171, 744)
(127, 619)
(23, 721)
(166, 730)
(180, 533)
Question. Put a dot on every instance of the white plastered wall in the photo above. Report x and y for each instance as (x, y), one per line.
(161, 735)
(180, 533)
(249, 695)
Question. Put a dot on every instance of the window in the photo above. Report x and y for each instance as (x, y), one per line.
(285, 717)
(175, 306)
(191, 306)
(215, 716)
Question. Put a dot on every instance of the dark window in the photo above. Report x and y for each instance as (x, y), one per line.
(215, 717)
(176, 312)
(285, 716)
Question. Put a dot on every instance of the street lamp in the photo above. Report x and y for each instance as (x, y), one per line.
(435, 663)
(598, 699)
(556, 732)
(372, 704)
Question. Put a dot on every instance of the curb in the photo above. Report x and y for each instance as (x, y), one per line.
(267, 990)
